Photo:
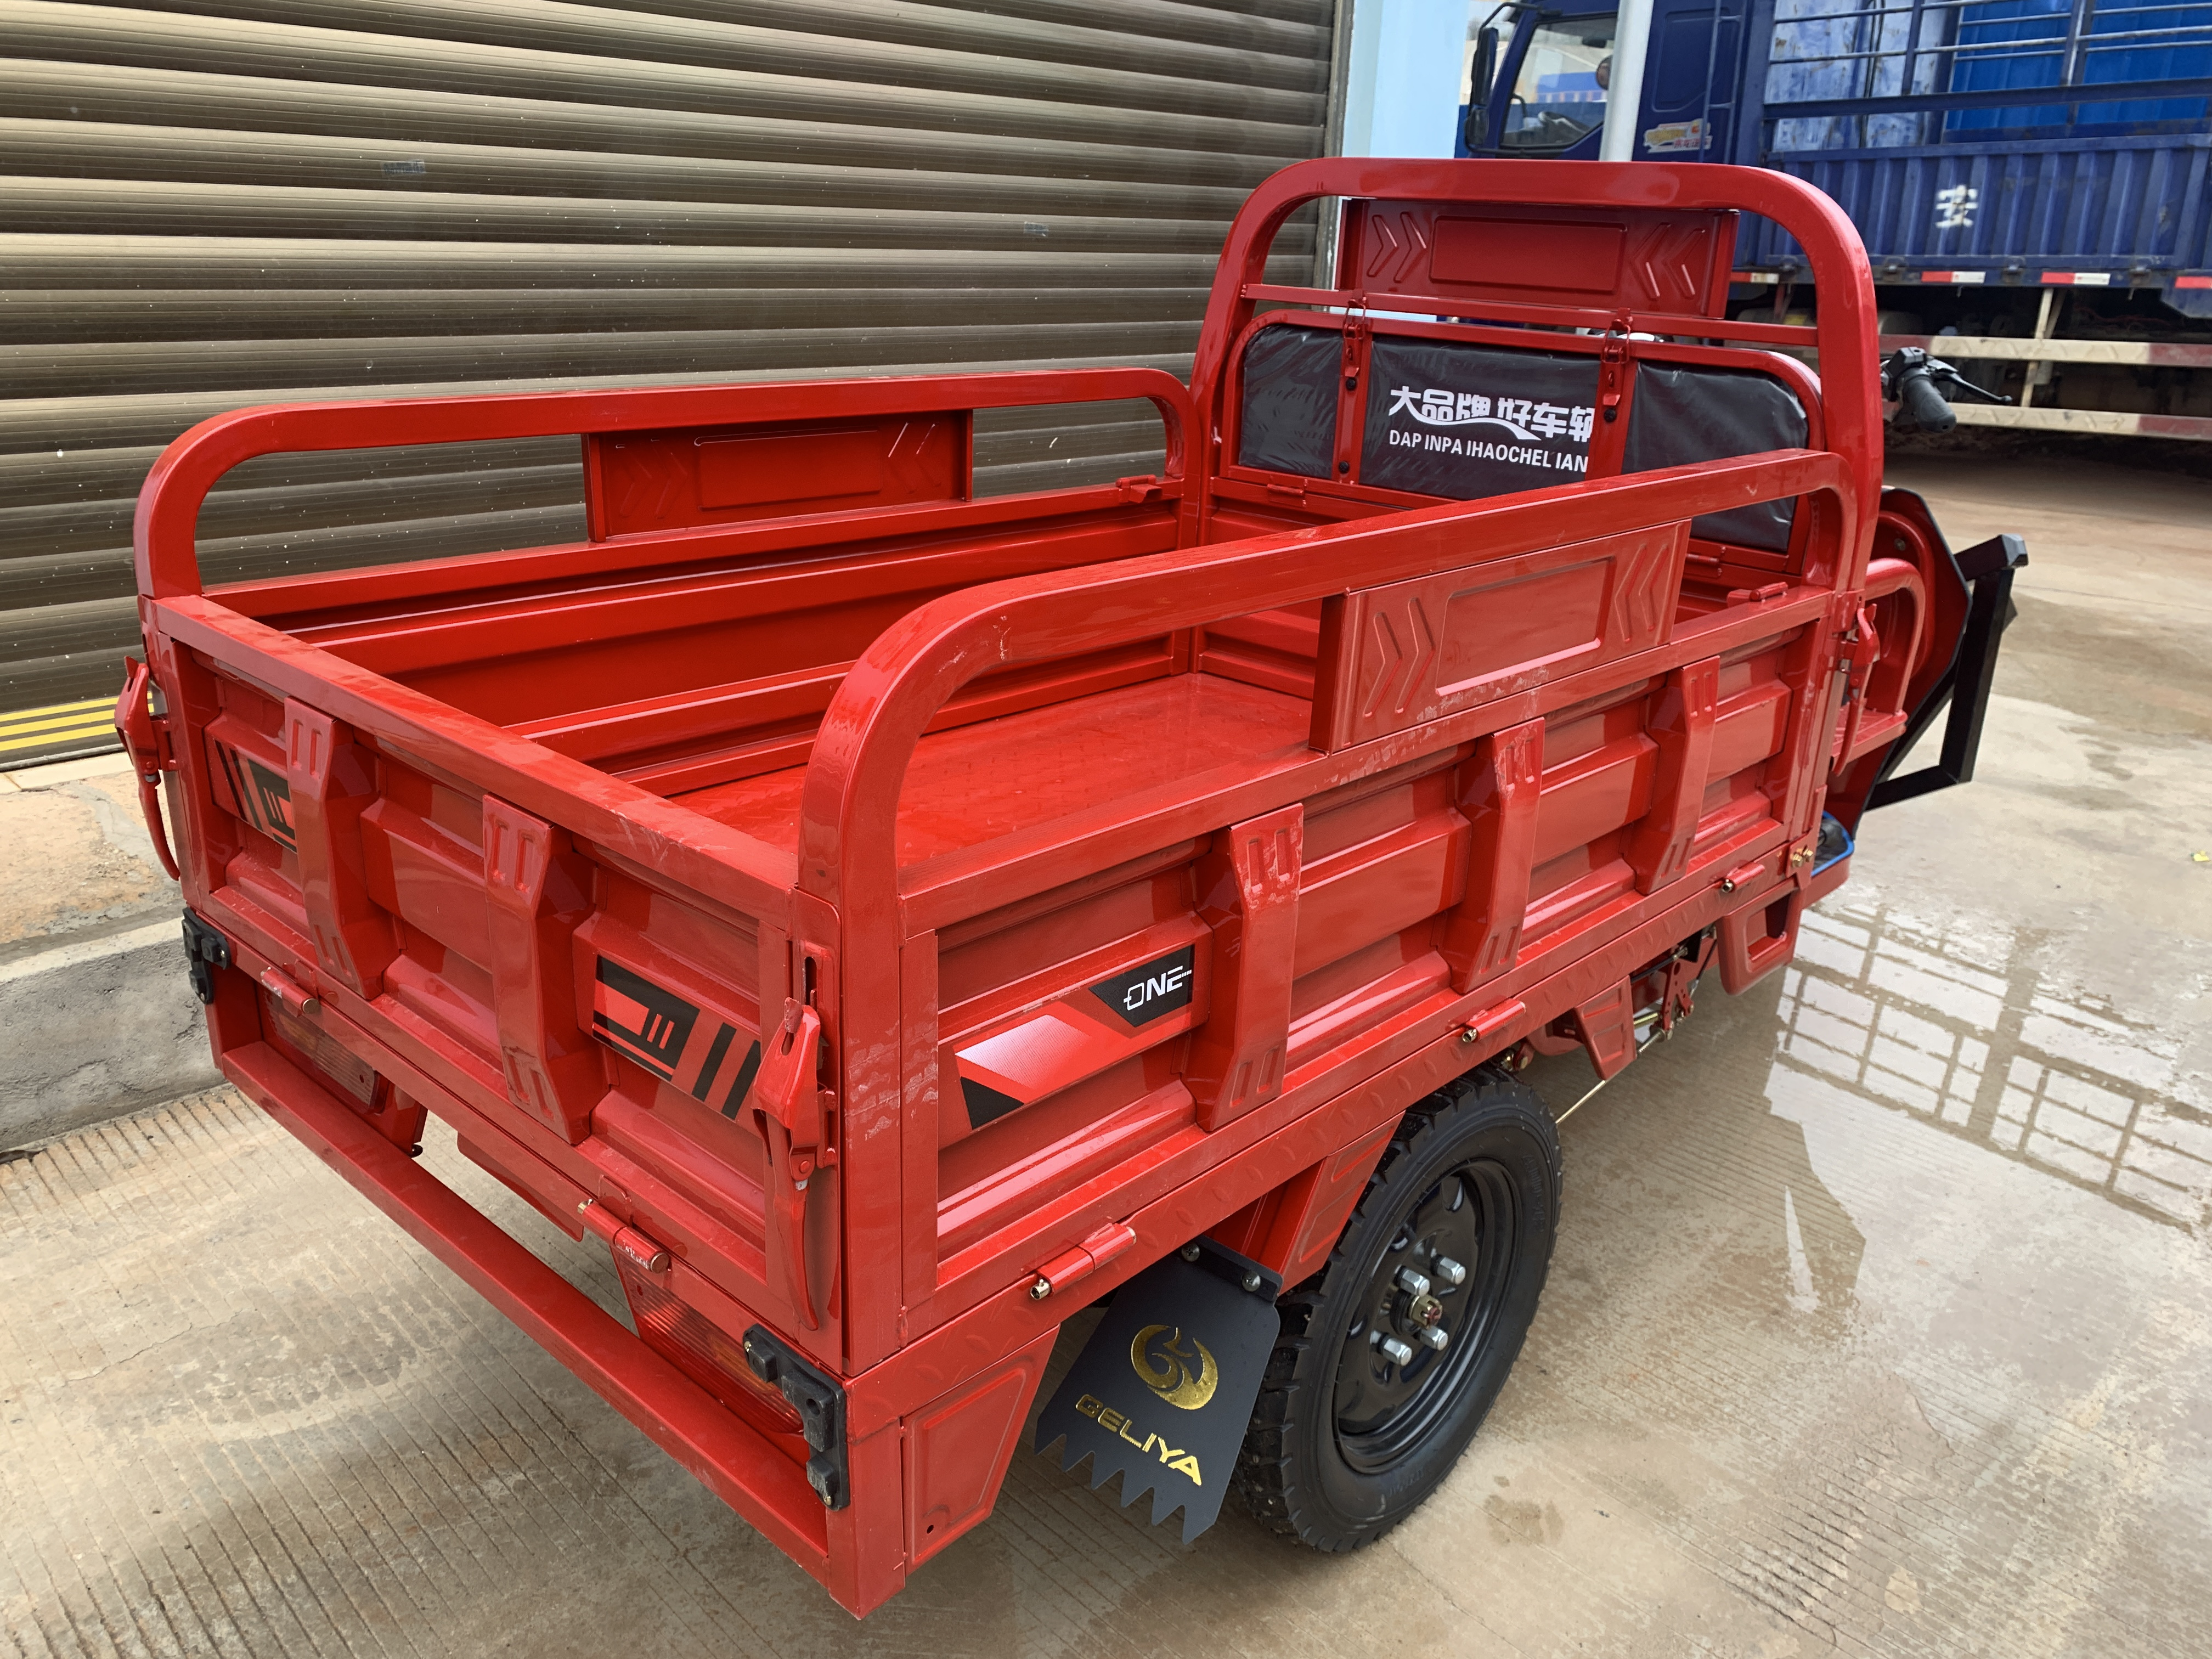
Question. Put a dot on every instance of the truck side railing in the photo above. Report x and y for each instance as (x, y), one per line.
(848, 808)
(738, 868)
(1938, 56)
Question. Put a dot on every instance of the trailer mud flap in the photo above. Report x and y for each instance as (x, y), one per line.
(1162, 1392)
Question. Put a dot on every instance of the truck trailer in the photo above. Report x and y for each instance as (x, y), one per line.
(891, 922)
(2028, 176)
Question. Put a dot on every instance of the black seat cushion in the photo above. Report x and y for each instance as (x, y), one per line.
(1288, 422)
(1683, 413)
(1458, 420)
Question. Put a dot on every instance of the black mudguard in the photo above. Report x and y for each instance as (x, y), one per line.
(1162, 1392)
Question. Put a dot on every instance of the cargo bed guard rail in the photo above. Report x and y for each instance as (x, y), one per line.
(850, 895)
(164, 531)
(848, 808)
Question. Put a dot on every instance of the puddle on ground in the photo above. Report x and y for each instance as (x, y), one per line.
(1960, 1024)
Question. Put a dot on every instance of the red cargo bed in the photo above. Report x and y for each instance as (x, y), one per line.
(976, 783)
(892, 920)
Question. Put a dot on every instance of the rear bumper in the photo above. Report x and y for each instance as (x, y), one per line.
(920, 1474)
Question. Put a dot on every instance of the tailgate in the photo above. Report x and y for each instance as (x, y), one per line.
(589, 1023)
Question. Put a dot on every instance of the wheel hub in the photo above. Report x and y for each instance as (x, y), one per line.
(1431, 1298)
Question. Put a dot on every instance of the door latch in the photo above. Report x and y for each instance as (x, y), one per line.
(787, 1106)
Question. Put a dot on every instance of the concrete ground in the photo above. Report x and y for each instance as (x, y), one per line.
(1881, 1319)
(93, 996)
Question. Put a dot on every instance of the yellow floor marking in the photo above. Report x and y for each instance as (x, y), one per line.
(56, 725)
(63, 713)
(89, 720)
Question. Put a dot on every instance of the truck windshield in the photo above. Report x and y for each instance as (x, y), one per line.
(1559, 94)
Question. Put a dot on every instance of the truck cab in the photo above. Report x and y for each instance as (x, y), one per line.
(1539, 78)
(2026, 177)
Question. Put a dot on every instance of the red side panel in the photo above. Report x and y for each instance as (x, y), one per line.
(1625, 258)
(639, 480)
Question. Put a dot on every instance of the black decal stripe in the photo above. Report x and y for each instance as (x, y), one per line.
(985, 1104)
(627, 1045)
(743, 1085)
(714, 1062)
(664, 1031)
(270, 790)
(229, 764)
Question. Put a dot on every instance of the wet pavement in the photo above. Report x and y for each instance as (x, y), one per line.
(1881, 1319)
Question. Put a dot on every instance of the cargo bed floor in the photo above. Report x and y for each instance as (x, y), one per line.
(974, 783)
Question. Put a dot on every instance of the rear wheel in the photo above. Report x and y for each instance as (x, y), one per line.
(1390, 1356)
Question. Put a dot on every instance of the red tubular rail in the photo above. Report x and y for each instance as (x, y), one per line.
(163, 533)
(1845, 331)
(848, 808)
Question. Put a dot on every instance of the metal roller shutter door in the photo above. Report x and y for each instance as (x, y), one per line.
(208, 204)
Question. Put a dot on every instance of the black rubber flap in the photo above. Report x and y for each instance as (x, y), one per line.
(1288, 423)
(1162, 1391)
(1464, 420)
(1683, 414)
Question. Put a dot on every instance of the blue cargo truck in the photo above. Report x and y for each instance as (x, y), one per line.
(2028, 175)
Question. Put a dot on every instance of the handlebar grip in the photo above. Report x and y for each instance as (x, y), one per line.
(1923, 403)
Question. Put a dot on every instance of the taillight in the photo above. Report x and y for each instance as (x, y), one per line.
(703, 1350)
(346, 1072)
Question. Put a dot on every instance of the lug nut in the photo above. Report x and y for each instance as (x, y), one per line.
(1450, 1271)
(1436, 1337)
(1396, 1351)
(1415, 1283)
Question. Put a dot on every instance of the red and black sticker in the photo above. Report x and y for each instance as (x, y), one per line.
(710, 1068)
(1143, 993)
(647, 1022)
(654, 1026)
(265, 798)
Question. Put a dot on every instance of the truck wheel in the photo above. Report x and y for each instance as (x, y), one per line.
(1390, 1356)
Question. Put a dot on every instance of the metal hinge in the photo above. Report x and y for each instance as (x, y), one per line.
(1491, 1021)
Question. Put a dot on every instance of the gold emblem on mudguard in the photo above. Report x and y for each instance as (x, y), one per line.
(1179, 1369)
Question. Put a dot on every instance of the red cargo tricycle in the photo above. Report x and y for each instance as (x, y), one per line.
(893, 921)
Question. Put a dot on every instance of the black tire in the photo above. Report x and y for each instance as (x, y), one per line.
(1345, 1442)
